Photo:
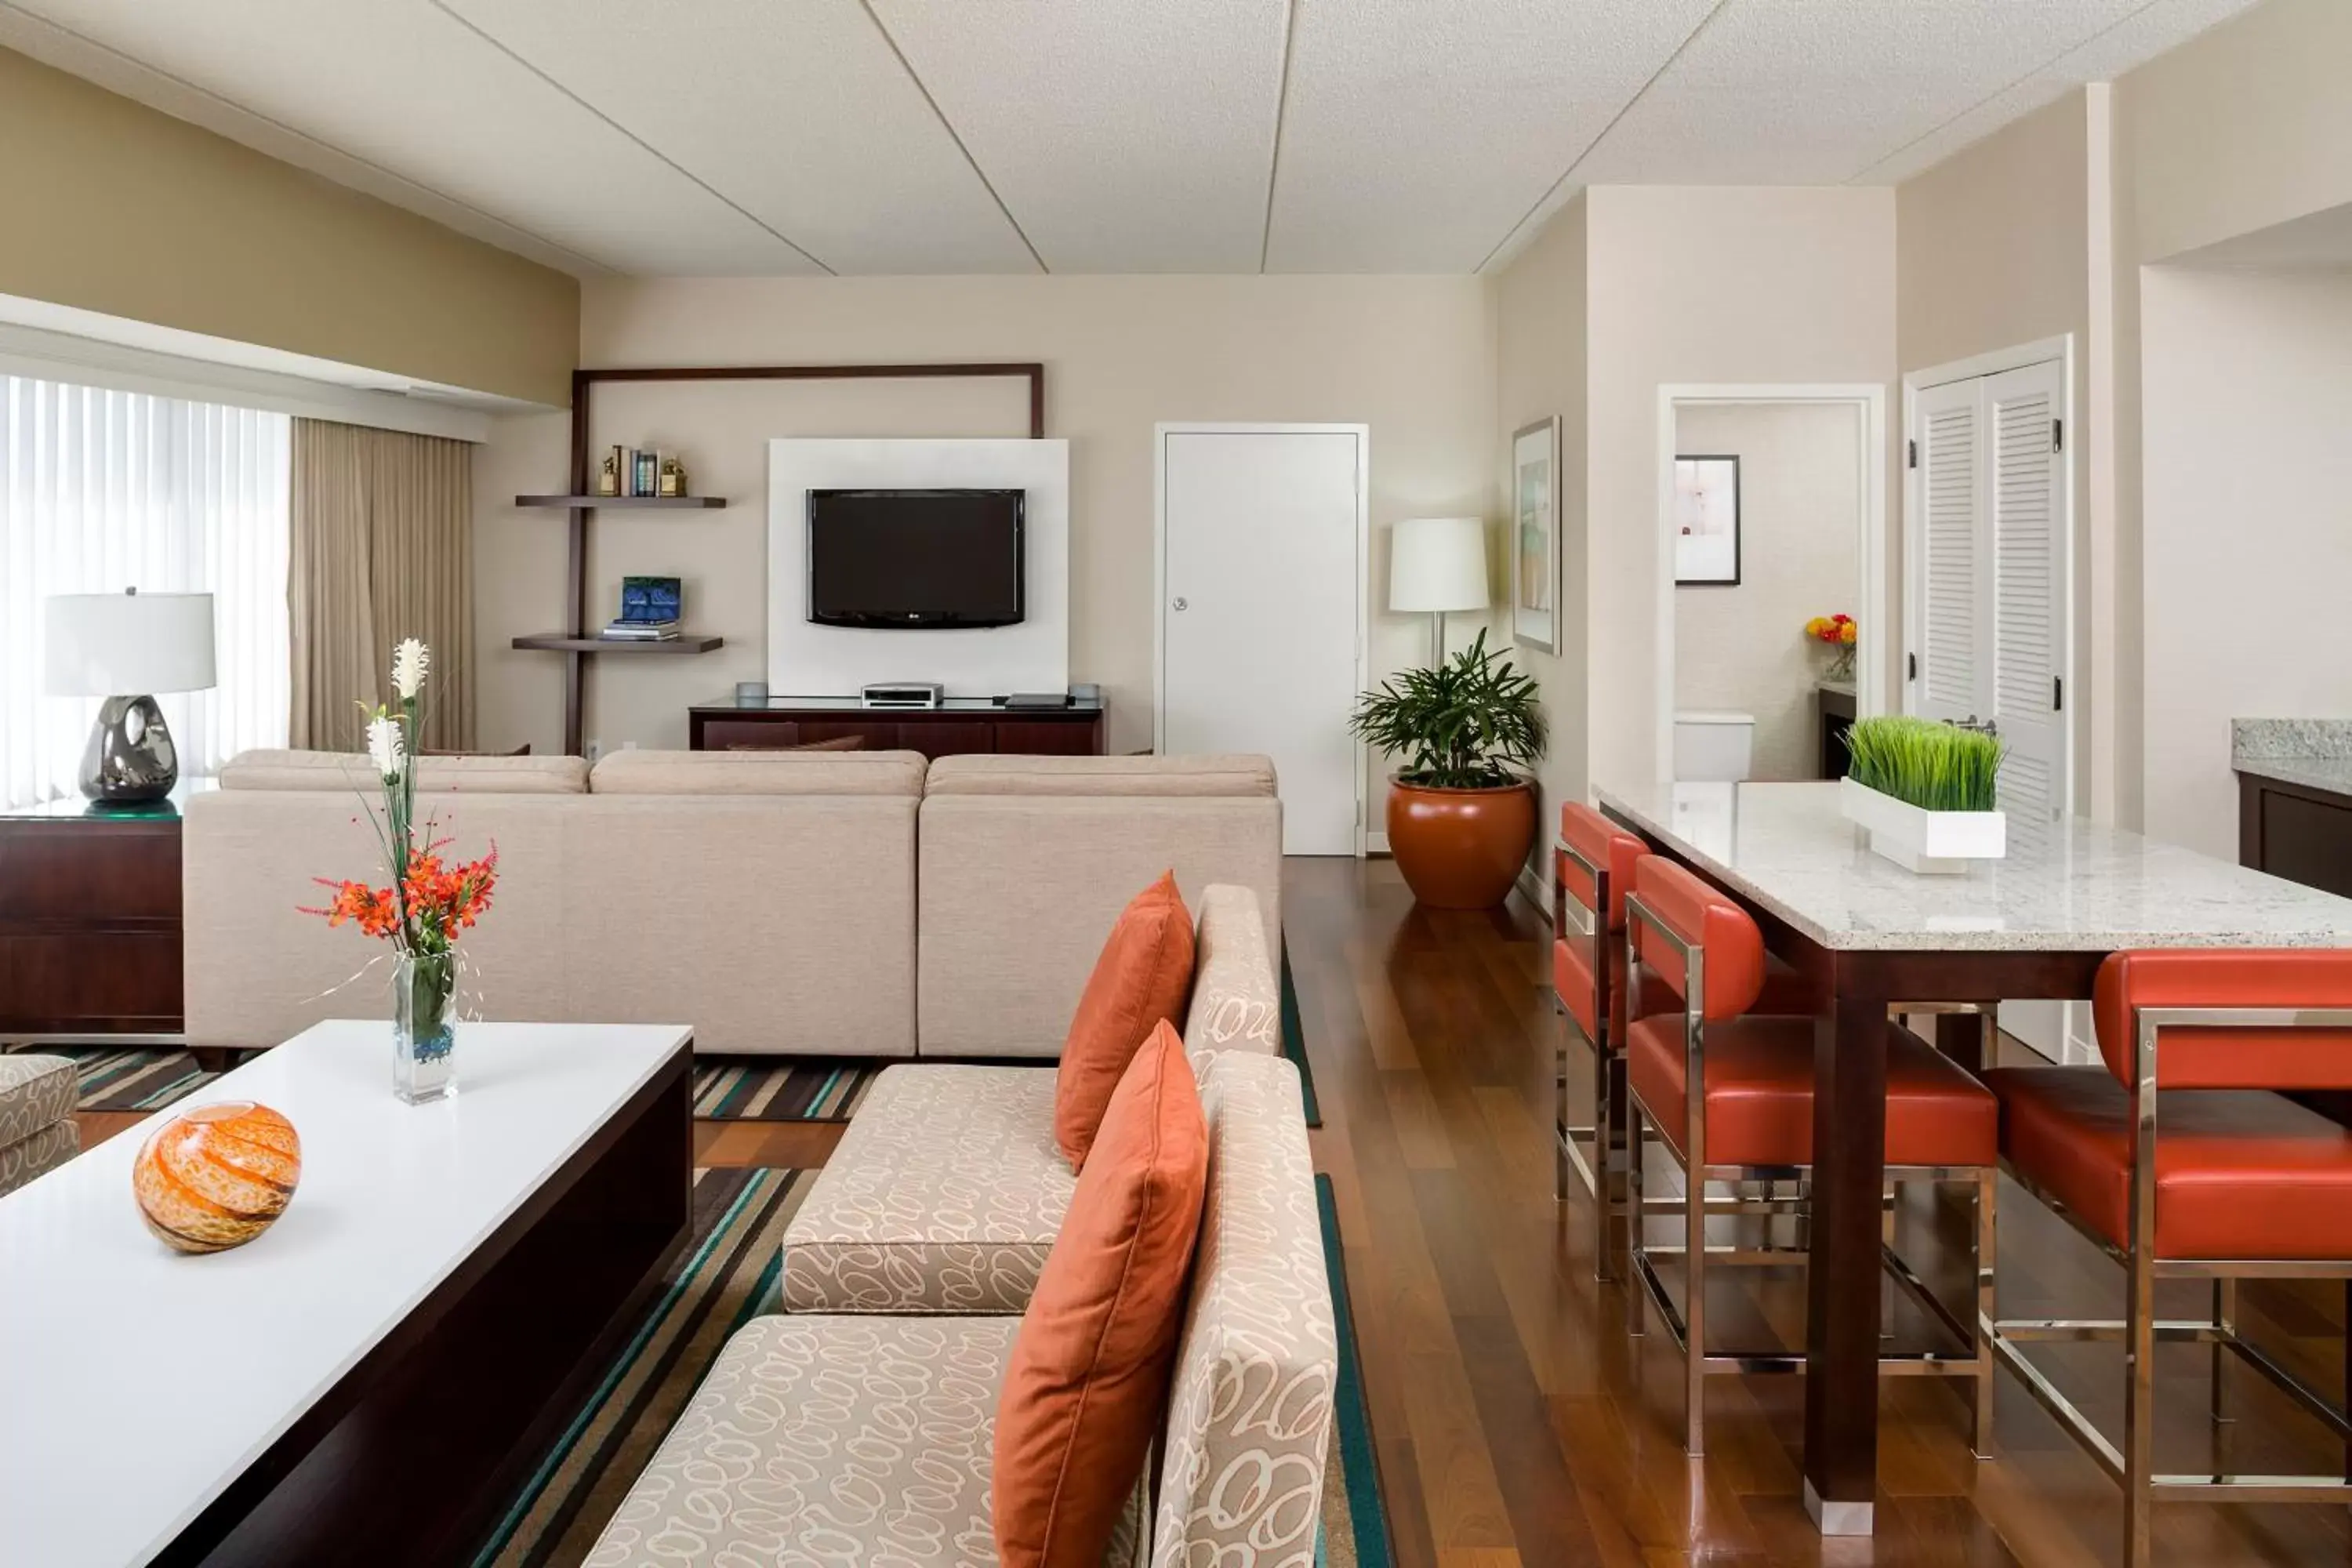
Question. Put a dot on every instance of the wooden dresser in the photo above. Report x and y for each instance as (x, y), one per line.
(90, 918)
(960, 727)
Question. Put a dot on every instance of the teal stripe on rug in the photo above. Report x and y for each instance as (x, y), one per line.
(1358, 1463)
(1294, 1041)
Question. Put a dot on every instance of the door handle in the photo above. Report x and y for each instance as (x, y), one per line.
(1181, 604)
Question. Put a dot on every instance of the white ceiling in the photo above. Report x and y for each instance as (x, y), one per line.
(732, 137)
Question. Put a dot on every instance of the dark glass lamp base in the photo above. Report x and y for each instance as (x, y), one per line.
(130, 759)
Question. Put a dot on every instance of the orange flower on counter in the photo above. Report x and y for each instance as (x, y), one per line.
(1834, 629)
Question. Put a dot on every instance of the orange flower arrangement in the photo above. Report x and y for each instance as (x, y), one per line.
(1835, 631)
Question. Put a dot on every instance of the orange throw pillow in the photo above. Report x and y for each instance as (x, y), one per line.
(1086, 1386)
(1144, 976)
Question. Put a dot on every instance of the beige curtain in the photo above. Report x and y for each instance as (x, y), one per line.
(383, 549)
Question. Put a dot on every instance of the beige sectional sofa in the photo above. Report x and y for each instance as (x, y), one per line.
(872, 1435)
(836, 903)
(38, 1094)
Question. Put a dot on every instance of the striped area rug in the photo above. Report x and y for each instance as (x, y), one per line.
(781, 1088)
(118, 1077)
(725, 1276)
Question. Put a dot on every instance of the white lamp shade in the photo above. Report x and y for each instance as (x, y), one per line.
(1438, 563)
(128, 645)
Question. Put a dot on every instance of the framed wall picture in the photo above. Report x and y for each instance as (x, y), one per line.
(1535, 535)
(1707, 522)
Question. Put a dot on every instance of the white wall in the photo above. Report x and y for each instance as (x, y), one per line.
(1412, 357)
(2247, 524)
(1741, 647)
(1541, 364)
(1703, 285)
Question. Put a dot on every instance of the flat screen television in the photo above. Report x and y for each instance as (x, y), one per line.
(915, 559)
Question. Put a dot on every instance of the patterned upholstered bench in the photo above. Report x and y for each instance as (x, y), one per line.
(947, 1191)
(36, 1129)
(867, 1440)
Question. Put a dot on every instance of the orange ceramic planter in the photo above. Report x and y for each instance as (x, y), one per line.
(214, 1177)
(1461, 849)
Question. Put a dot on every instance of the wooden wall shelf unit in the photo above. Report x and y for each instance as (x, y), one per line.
(579, 642)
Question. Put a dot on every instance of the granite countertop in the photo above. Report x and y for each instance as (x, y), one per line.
(2082, 887)
(2314, 753)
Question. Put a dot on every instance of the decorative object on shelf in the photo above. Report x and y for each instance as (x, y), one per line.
(608, 474)
(1462, 811)
(1535, 534)
(649, 611)
(1707, 522)
(673, 478)
(1842, 633)
(216, 1176)
(1437, 564)
(751, 693)
(429, 903)
(124, 647)
(1927, 791)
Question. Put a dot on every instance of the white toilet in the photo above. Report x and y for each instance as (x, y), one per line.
(1713, 748)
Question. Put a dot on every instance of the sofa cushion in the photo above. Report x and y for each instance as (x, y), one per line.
(943, 1196)
(45, 1150)
(861, 1442)
(1249, 1409)
(35, 1092)
(1139, 981)
(1236, 1002)
(1084, 1391)
(1244, 775)
(348, 771)
(758, 772)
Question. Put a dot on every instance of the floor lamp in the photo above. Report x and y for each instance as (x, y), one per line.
(1438, 565)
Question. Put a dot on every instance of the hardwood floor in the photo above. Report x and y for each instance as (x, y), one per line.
(1517, 1425)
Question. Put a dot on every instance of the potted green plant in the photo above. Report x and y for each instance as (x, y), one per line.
(1927, 792)
(1461, 811)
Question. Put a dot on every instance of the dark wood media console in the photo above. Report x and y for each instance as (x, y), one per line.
(962, 726)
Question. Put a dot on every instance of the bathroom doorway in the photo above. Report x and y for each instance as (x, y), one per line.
(1772, 504)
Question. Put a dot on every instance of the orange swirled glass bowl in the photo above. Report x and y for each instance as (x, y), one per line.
(214, 1177)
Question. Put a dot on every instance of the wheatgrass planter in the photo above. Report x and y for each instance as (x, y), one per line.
(1918, 839)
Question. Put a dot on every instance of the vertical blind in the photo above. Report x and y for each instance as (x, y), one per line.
(103, 490)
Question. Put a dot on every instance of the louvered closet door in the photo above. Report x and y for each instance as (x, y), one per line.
(2029, 598)
(1951, 545)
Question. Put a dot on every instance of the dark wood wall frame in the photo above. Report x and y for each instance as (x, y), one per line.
(569, 643)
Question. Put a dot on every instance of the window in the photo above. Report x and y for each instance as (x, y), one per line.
(103, 490)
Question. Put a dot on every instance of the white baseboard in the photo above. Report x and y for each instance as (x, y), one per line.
(1531, 888)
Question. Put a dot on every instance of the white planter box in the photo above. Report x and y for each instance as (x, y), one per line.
(1922, 840)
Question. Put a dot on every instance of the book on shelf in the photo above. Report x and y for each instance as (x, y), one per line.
(639, 631)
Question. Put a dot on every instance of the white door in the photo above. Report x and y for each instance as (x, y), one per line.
(1989, 585)
(1261, 590)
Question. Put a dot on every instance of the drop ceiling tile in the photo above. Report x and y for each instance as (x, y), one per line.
(1418, 133)
(2142, 36)
(800, 113)
(1811, 91)
(404, 86)
(1123, 135)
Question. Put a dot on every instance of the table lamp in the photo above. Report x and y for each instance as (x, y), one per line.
(125, 647)
(1437, 564)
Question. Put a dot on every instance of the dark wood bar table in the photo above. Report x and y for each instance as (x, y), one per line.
(2033, 925)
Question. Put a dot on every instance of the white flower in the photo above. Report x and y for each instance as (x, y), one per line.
(383, 746)
(409, 662)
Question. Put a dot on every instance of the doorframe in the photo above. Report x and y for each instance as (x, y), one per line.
(1866, 397)
(1160, 433)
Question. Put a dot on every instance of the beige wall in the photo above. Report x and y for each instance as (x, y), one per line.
(1740, 647)
(2248, 524)
(1703, 286)
(1994, 250)
(1540, 318)
(114, 207)
(1412, 357)
(2243, 127)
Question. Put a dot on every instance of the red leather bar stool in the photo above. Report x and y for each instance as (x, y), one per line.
(1593, 871)
(2176, 1160)
(1752, 1119)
